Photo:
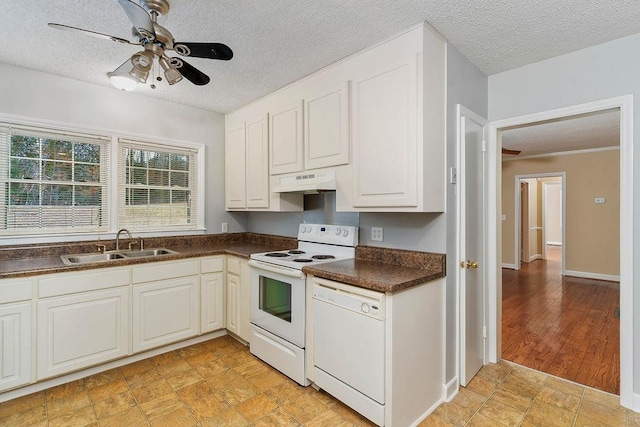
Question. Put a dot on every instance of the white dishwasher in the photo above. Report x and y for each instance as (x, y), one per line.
(349, 345)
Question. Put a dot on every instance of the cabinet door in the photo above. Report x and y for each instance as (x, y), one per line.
(245, 301)
(165, 312)
(82, 330)
(326, 124)
(212, 315)
(384, 121)
(233, 303)
(15, 345)
(257, 163)
(235, 168)
(285, 129)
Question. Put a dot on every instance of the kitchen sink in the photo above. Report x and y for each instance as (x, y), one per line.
(90, 258)
(110, 256)
(148, 252)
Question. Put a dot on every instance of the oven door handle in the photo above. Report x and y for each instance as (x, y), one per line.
(275, 269)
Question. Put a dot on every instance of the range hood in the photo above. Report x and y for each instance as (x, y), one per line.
(307, 183)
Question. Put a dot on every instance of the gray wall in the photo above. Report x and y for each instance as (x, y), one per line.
(35, 95)
(599, 72)
(468, 86)
(318, 209)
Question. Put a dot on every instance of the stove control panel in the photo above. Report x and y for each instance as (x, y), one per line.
(344, 235)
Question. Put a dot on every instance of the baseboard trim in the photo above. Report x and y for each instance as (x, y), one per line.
(428, 412)
(636, 402)
(535, 257)
(589, 275)
(451, 389)
(509, 266)
(45, 384)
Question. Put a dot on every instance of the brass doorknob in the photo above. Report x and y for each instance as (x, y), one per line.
(472, 264)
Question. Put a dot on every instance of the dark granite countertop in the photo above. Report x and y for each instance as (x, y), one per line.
(45, 259)
(380, 269)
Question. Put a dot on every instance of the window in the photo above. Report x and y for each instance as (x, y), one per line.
(157, 186)
(52, 181)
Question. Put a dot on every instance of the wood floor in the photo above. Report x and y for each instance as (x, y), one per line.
(565, 326)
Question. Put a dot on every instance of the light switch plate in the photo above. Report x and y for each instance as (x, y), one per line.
(225, 227)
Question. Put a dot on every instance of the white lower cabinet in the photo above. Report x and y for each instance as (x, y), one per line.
(15, 345)
(165, 312)
(82, 330)
(238, 299)
(212, 294)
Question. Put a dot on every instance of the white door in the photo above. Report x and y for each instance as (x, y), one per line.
(471, 228)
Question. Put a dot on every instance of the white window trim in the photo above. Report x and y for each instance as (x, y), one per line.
(115, 135)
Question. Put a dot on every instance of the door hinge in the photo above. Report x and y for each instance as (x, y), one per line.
(484, 332)
(484, 145)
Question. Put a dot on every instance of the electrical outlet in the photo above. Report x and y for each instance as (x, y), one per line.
(377, 234)
(225, 227)
(600, 200)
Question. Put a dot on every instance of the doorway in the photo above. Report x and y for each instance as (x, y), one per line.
(539, 220)
(495, 230)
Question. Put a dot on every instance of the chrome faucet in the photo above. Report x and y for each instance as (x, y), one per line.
(118, 237)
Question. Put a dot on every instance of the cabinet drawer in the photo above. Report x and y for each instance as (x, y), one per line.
(233, 265)
(212, 265)
(165, 270)
(15, 290)
(63, 284)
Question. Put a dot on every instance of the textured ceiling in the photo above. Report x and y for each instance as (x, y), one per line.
(276, 42)
(588, 131)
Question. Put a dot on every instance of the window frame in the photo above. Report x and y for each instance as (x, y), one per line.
(113, 136)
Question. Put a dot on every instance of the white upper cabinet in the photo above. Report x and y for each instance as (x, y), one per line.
(326, 128)
(376, 119)
(257, 146)
(398, 104)
(247, 164)
(235, 168)
(286, 139)
(384, 136)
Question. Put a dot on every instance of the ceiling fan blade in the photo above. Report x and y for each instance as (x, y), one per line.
(513, 152)
(91, 33)
(139, 18)
(204, 50)
(190, 72)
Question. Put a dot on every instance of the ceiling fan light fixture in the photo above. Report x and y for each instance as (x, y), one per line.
(172, 75)
(121, 78)
(142, 62)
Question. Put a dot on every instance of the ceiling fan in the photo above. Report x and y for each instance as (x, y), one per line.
(155, 41)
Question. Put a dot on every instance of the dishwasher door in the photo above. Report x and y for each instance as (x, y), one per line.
(349, 336)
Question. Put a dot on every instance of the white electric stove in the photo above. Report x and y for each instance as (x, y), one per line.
(278, 288)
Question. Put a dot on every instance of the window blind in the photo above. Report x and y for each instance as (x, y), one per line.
(52, 181)
(157, 186)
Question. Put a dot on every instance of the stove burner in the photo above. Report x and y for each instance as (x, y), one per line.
(277, 254)
(323, 257)
(303, 260)
(296, 252)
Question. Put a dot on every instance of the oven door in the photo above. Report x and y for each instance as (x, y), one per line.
(278, 301)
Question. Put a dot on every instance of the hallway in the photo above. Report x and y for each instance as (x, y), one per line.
(565, 326)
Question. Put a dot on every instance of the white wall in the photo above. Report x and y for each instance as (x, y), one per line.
(599, 72)
(468, 86)
(41, 96)
(553, 213)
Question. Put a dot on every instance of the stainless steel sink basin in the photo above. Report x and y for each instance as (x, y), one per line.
(148, 252)
(110, 256)
(89, 258)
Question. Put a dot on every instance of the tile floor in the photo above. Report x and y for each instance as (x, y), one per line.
(219, 383)
(505, 394)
